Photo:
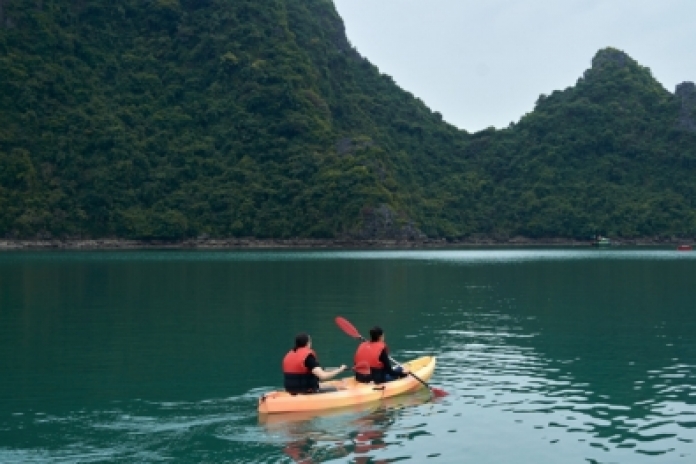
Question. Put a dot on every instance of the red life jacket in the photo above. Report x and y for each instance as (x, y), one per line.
(368, 352)
(293, 363)
(299, 379)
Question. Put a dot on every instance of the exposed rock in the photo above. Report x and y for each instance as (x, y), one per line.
(384, 223)
(337, 32)
(606, 59)
(610, 56)
(686, 94)
(348, 146)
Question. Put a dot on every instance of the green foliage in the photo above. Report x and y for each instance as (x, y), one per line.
(168, 119)
(603, 156)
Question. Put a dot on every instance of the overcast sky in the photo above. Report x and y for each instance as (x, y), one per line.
(484, 63)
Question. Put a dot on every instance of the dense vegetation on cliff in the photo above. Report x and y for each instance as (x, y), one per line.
(176, 118)
(614, 154)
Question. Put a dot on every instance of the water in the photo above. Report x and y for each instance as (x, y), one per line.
(548, 355)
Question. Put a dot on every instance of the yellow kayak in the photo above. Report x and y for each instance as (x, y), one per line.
(349, 391)
(280, 422)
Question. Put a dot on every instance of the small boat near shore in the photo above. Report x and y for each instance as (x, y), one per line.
(349, 392)
(684, 248)
(601, 242)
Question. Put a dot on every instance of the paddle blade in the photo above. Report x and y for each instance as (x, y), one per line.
(438, 392)
(347, 327)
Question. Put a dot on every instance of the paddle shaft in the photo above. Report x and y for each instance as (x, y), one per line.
(413, 375)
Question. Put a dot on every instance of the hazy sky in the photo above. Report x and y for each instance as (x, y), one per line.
(485, 62)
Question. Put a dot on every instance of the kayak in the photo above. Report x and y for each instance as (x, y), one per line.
(362, 411)
(350, 392)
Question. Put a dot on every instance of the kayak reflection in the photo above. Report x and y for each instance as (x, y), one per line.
(357, 430)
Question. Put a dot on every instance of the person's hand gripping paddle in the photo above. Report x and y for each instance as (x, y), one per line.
(350, 330)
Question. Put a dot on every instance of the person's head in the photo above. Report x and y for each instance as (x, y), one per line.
(376, 334)
(302, 340)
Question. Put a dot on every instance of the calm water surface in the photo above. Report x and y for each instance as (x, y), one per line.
(549, 355)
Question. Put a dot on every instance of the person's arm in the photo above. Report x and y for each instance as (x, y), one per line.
(327, 375)
(386, 360)
(313, 365)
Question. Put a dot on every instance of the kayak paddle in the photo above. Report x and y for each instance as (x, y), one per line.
(350, 329)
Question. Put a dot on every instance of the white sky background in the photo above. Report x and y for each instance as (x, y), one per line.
(484, 63)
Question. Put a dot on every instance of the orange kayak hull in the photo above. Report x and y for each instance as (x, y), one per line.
(349, 391)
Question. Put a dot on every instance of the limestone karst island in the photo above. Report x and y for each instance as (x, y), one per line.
(175, 120)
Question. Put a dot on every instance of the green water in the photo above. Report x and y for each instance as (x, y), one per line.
(548, 355)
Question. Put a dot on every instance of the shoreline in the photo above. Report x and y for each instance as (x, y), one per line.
(275, 244)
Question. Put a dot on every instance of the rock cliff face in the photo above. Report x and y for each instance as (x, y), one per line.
(383, 223)
(686, 94)
(348, 146)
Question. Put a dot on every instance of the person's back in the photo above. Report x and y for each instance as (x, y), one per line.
(301, 369)
(297, 370)
(375, 355)
(367, 361)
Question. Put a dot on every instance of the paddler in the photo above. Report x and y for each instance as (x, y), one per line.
(375, 354)
(302, 370)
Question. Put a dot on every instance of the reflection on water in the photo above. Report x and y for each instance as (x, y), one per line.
(621, 409)
(548, 355)
(358, 430)
(549, 396)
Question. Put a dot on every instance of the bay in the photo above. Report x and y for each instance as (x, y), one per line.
(549, 355)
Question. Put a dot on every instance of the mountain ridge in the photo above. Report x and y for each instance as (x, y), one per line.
(171, 119)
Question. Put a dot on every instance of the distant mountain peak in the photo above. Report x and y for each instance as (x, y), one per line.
(611, 66)
(611, 57)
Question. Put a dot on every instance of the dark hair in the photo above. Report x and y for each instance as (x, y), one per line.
(301, 340)
(375, 333)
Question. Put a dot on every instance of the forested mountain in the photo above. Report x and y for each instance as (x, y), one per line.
(165, 119)
(614, 154)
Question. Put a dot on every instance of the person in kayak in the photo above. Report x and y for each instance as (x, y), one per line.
(375, 354)
(302, 371)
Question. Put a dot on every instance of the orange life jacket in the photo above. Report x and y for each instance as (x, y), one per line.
(299, 379)
(293, 363)
(368, 352)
